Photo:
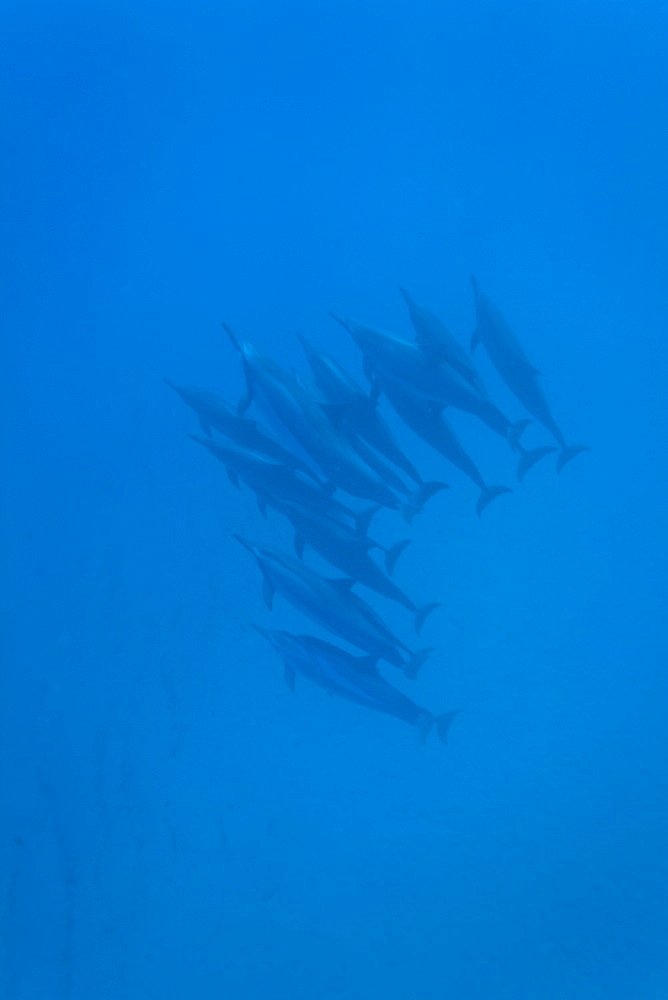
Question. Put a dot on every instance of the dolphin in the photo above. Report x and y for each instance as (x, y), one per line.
(401, 361)
(214, 412)
(331, 604)
(430, 424)
(427, 421)
(439, 344)
(355, 678)
(348, 550)
(288, 405)
(273, 482)
(512, 364)
(347, 400)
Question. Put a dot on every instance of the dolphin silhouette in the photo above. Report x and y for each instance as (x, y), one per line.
(331, 604)
(512, 364)
(355, 678)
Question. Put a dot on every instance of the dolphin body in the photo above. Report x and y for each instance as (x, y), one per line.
(347, 400)
(355, 678)
(273, 483)
(512, 364)
(407, 364)
(290, 407)
(331, 604)
(439, 344)
(214, 412)
(430, 424)
(348, 551)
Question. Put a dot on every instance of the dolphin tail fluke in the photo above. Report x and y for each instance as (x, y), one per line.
(568, 453)
(515, 432)
(529, 458)
(365, 517)
(489, 493)
(415, 662)
(443, 723)
(418, 498)
(423, 613)
(393, 553)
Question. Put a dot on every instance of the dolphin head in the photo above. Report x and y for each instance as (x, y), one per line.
(245, 349)
(247, 545)
(307, 346)
(342, 322)
(268, 635)
(408, 299)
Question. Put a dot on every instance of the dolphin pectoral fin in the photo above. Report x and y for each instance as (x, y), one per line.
(204, 424)
(343, 584)
(244, 402)
(233, 477)
(443, 723)
(489, 493)
(422, 614)
(475, 340)
(423, 724)
(529, 458)
(393, 553)
(290, 675)
(247, 398)
(261, 504)
(268, 593)
(329, 488)
(515, 432)
(364, 518)
(300, 542)
(376, 391)
(568, 454)
(415, 662)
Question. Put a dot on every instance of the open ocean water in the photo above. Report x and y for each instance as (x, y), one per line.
(175, 822)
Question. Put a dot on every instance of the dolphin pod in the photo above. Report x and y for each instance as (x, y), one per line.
(327, 462)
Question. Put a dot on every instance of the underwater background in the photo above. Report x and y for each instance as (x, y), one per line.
(174, 821)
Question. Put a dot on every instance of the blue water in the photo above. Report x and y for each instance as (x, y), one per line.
(174, 821)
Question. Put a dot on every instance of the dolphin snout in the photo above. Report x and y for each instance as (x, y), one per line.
(246, 544)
